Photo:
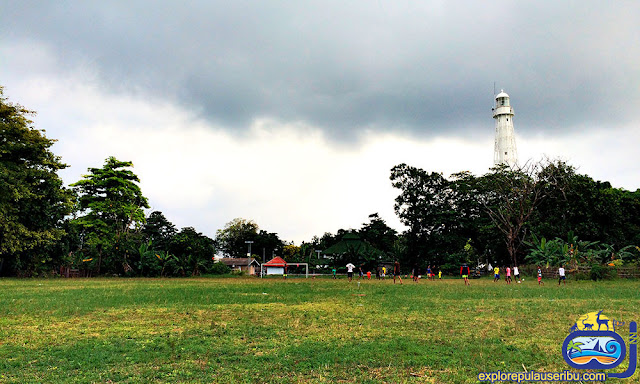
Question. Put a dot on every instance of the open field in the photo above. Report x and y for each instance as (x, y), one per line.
(248, 330)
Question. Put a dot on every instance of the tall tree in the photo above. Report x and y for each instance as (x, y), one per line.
(192, 250)
(267, 243)
(510, 196)
(33, 201)
(594, 210)
(112, 205)
(159, 230)
(377, 233)
(230, 240)
(427, 206)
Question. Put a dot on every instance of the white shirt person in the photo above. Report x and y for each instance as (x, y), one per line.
(350, 268)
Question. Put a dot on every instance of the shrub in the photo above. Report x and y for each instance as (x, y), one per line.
(599, 272)
(219, 268)
(582, 276)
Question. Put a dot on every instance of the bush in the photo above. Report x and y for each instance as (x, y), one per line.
(219, 268)
(582, 276)
(599, 272)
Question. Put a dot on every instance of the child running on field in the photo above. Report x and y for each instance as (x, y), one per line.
(540, 282)
(508, 278)
(516, 273)
(562, 278)
(496, 274)
(464, 272)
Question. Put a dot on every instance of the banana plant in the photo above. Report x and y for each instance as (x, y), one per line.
(543, 252)
(165, 258)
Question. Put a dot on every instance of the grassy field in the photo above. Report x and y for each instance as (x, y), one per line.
(248, 330)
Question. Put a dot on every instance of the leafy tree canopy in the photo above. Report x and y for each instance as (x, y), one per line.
(111, 197)
(33, 201)
(111, 204)
(159, 230)
(230, 240)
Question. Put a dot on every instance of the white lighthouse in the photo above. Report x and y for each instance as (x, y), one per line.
(505, 146)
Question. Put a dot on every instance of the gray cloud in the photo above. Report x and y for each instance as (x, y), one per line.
(423, 68)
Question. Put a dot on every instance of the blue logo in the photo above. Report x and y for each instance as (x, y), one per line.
(594, 344)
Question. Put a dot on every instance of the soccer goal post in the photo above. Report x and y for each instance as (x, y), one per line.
(306, 268)
(280, 269)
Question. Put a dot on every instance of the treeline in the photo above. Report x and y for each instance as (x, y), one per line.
(542, 213)
(506, 216)
(98, 225)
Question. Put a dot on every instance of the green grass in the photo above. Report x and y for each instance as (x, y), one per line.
(248, 330)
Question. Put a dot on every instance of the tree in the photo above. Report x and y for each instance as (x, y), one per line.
(511, 195)
(267, 243)
(158, 230)
(592, 209)
(112, 204)
(352, 249)
(377, 233)
(193, 252)
(33, 201)
(427, 205)
(230, 240)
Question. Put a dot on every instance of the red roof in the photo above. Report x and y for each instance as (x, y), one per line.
(276, 262)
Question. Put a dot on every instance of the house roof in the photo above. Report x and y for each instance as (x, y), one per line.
(276, 262)
(239, 261)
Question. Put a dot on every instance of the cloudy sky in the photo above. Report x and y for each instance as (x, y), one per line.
(291, 113)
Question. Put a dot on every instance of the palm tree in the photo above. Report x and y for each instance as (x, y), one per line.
(573, 346)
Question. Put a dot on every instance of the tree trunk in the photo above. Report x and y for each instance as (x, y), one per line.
(99, 260)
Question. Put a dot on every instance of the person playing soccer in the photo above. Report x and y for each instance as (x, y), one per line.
(562, 278)
(439, 274)
(496, 274)
(396, 272)
(464, 272)
(334, 273)
(429, 275)
(540, 282)
(368, 275)
(516, 273)
(384, 272)
(508, 278)
(350, 270)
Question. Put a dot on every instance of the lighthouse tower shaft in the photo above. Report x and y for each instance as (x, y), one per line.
(505, 145)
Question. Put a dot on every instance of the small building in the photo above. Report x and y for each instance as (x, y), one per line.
(242, 264)
(275, 266)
